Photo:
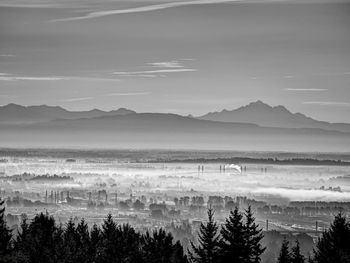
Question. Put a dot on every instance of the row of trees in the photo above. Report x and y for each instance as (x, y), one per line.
(238, 240)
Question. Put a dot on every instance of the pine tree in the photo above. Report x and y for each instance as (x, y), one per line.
(284, 256)
(253, 237)
(42, 240)
(83, 242)
(109, 249)
(95, 244)
(334, 245)
(69, 241)
(178, 254)
(5, 235)
(208, 249)
(158, 247)
(296, 256)
(21, 244)
(128, 244)
(232, 245)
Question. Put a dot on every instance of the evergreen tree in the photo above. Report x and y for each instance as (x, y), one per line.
(208, 249)
(232, 245)
(108, 251)
(83, 243)
(42, 239)
(178, 254)
(284, 256)
(5, 235)
(70, 237)
(296, 256)
(159, 248)
(253, 237)
(334, 245)
(21, 244)
(95, 243)
(128, 243)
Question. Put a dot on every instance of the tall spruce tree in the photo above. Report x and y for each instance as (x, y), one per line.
(109, 249)
(284, 256)
(95, 244)
(70, 238)
(253, 237)
(83, 242)
(21, 243)
(334, 245)
(43, 240)
(209, 240)
(232, 243)
(296, 256)
(5, 234)
(128, 244)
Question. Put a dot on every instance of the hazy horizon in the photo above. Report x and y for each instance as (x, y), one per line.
(180, 57)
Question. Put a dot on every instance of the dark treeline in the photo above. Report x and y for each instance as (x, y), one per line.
(34, 177)
(288, 161)
(238, 240)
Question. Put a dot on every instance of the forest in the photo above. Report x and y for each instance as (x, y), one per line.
(237, 240)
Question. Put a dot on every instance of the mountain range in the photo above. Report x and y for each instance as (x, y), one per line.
(13, 113)
(256, 126)
(265, 115)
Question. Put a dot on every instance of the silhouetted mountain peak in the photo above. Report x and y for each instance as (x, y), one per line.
(263, 114)
(13, 106)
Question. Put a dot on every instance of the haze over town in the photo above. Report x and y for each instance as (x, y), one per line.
(174, 131)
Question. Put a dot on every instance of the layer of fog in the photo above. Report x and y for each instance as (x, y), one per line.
(296, 183)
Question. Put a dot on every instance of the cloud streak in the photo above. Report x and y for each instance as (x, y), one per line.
(127, 94)
(7, 55)
(7, 96)
(167, 64)
(76, 99)
(297, 89)
(8, 77)
(157, 71)
(142, 9)
(328, 103)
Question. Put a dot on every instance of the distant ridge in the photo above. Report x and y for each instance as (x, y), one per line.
(14, 113)
(256, 113)
(168, 131)
(265, 115)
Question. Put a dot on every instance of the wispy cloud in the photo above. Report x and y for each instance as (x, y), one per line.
(7, 96)
(10, 77)
(132, 74)
(157, 69)
(154, 71)
(332, 73)
(7, 55)
(328, 103)
(301, 89)
(127, 94)
(142, 9)
(77, 99)
(15, 78)
(167, 64)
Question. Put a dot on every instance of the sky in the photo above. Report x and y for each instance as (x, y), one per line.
(185, 57)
